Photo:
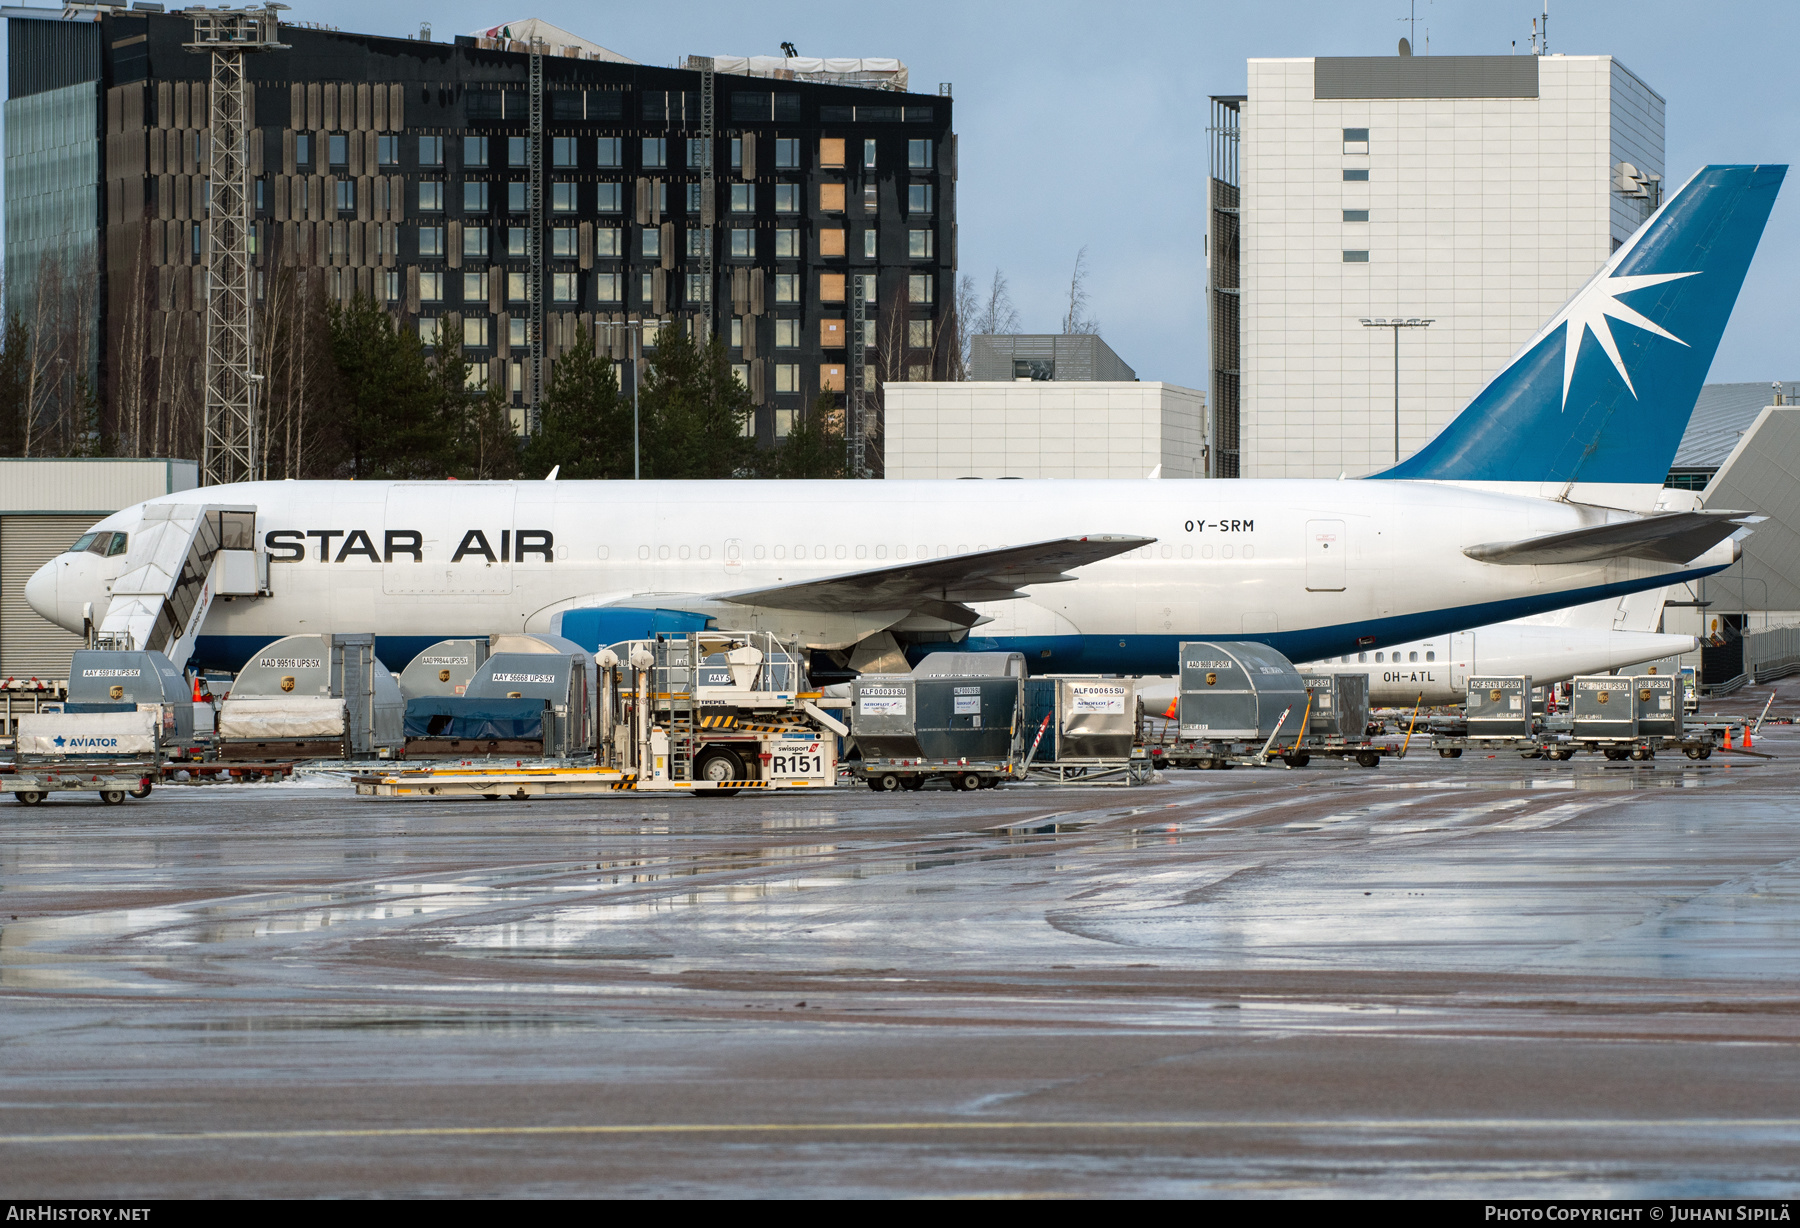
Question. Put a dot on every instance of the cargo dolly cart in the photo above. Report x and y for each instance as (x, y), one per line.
(113, 780)
(709, 712)
(956, 717)
(125, 709)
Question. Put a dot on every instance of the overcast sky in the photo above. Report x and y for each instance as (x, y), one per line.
(1083, 124)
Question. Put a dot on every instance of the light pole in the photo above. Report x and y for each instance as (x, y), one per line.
(1396, 323)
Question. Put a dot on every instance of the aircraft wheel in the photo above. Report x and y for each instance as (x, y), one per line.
(112, 797)
(28, 797)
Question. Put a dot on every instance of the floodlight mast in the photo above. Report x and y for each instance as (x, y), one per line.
(228, 452)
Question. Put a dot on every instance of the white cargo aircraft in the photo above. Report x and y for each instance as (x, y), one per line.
(1544, 493)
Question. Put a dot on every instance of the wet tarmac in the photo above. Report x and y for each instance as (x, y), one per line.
(1481, 977)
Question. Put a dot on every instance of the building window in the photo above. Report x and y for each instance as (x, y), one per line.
(1356, 174)
(787, 377)
(918, 155)
(515, 288)
(740, 371)
(787, 334)
(1355, 257)
(784, 426)
(428, 330)
(743, 244)
(515, 241)
(918, 334)
(1356, 140)
(650, 243)
(431, 286)
(787, 154)
(787, 245)
(475, 151)
(697, 289)
(656, 151)
(693, 195)
(303, 151)
(346, 195)
(562, 151)
(195, 230)
(609, 198)
(787, 198)
(475, 378)
(259, 196)
(869, 153)
(737, 332)
(919, 245)
(475, 198)
(743, 198)
(475, 289)
(919, 288)
(562, 287)
(431, 241)
(787, 287)
(518, 198)
(387, 150)
(696, 243)
(390, 286)
(475, 242)
(606, 242)
(647, 295)
(609, 287)
(339, 145)
(918, 198)
(869, 243)
(1356, 215)
(871, 201)
(562, 243)
(562, 198)
(431, 198)
(696, 154)
(518, 151)
(516, 331)
(609, 151)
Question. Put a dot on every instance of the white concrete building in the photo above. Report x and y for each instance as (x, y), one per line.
(1476, 192)
(1044, 429)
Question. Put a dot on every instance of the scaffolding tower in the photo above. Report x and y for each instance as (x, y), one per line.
(228, 452)
(534, 243)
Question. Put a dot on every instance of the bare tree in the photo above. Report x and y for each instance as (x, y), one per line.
(994, 313)
(1078, 320)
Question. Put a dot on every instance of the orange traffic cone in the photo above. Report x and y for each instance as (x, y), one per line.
(1174, 709)
(1747, 742)
(1728, 737)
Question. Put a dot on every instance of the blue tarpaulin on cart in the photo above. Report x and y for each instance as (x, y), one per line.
(477, 720)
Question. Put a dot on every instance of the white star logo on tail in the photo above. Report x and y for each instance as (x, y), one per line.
(1587, 314)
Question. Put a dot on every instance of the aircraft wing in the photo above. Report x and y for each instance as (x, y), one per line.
(1675, 537)
(940, 586)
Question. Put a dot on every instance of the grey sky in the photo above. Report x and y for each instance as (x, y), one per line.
(1084, 124)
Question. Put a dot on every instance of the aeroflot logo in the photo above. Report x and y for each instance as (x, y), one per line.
(291, 545)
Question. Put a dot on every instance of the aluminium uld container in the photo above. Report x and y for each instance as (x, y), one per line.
(1499, 706)
(1605, 708)
(1238, 690)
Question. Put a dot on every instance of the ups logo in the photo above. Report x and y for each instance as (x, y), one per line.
(443, 675)
(287, 682)
(117, 692)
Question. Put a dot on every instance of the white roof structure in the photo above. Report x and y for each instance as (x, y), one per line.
(1762, 475)
(559, 40)
(869, 73)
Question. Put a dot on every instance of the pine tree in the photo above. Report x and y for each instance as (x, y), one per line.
(693, 409)
(812, 449)
(584, 425)
(392, 420)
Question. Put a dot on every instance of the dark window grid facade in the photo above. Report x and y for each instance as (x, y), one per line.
(434, 85)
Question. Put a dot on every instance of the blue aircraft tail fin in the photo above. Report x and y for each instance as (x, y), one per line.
(1603, 393)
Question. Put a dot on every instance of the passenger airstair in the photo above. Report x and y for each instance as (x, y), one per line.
(172, 573)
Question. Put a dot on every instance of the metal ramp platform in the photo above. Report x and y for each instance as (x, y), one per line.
(182, 555)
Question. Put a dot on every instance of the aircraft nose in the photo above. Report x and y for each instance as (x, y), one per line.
(40, 590)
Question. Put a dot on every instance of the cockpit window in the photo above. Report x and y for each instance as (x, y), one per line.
(118, 545)
(107, 545)
(83, 542)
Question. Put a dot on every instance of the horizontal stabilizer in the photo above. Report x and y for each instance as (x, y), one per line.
(1677, 537)
(933, 584)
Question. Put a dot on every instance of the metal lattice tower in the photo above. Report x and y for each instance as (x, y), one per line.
(229, 450)
(707, 186)
(534, 242)
(853, 416)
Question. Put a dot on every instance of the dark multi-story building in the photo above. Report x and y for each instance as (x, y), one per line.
(403, 169)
